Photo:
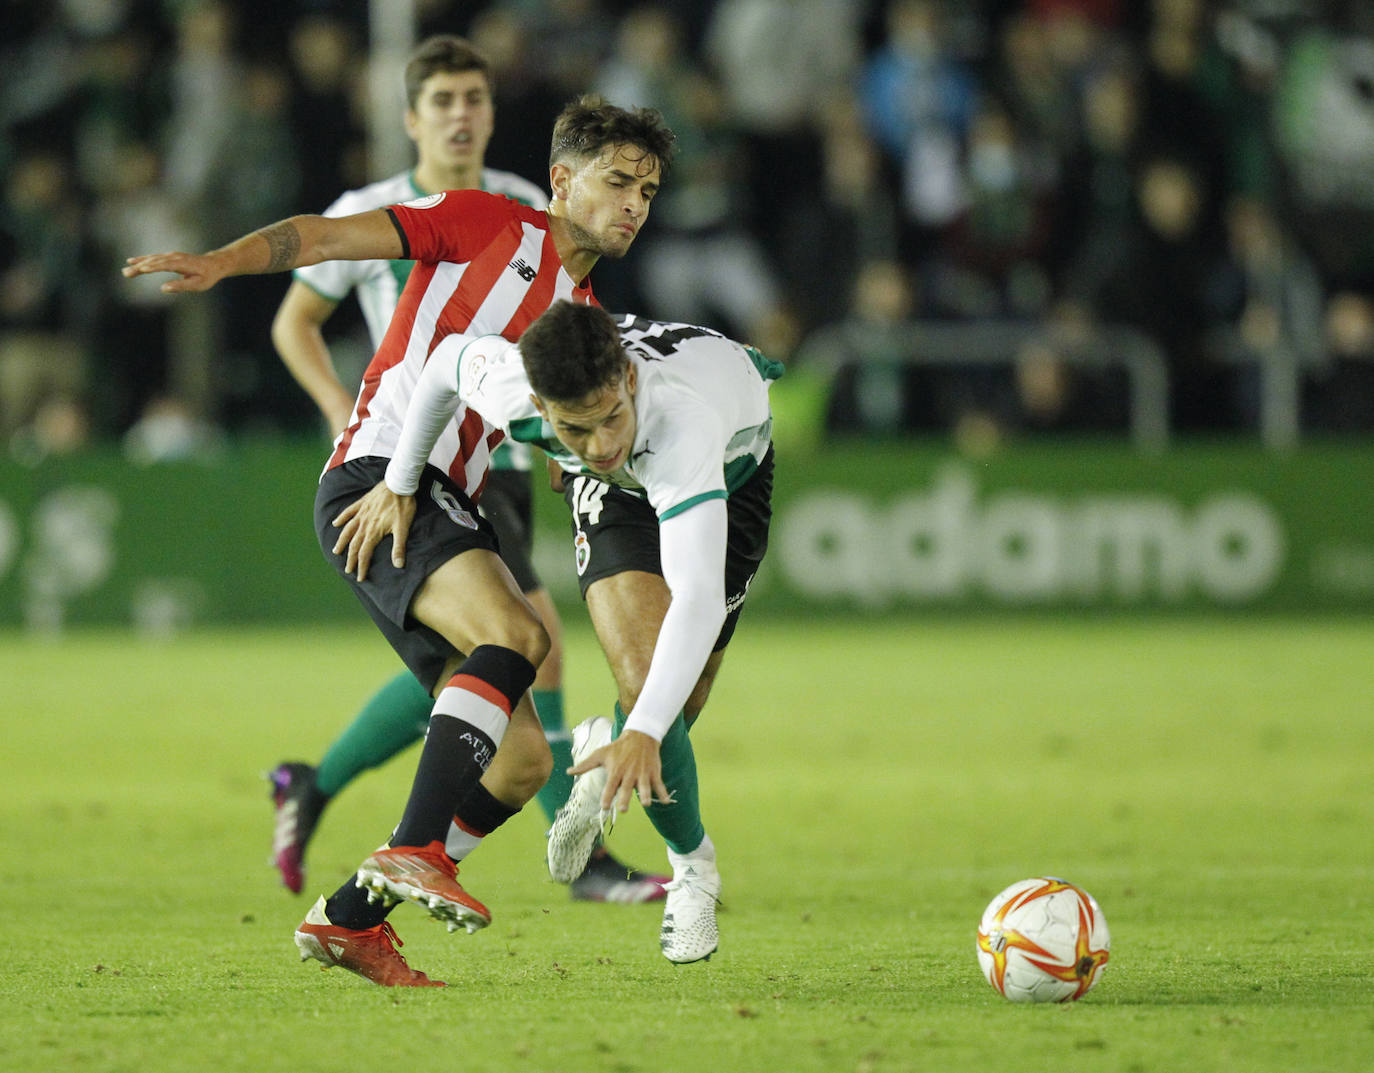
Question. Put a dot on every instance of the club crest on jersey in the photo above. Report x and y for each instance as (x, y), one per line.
(472, 369)
(523, 269)
(426, 202)
(582, 551)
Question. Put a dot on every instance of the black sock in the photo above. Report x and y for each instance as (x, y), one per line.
(470, 718)
(454, 757)
(481, 812)
(348, 907)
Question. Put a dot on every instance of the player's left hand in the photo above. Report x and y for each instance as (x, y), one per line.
(367, 522)
(632, 768)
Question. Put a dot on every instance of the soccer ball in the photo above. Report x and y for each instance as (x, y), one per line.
(1043, 940)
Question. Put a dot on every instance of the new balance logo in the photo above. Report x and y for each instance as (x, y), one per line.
(523, 270)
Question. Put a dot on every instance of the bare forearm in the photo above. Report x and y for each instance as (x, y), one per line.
(286, 244)
(291, 243)
(283, 245)
(304, 352)
(297, 334)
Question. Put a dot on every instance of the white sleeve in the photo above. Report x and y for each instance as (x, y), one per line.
(692, 552)
(431, 407)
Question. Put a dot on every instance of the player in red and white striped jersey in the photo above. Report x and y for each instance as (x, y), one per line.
(450, 116)
(454, 614)
(484, 264)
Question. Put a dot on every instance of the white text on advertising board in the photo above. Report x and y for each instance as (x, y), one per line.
(949, 544)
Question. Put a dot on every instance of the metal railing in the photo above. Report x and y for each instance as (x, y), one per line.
(964, 344)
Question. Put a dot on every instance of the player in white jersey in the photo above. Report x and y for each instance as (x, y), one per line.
(700, 413)
(454, 614)
(664, 434)
(450, 118)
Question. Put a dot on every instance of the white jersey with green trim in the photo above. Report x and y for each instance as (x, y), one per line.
(701, 407)
(703, 427)
(379, 283)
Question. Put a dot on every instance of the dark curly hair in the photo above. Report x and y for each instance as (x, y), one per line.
(571, 351)
(590, 124)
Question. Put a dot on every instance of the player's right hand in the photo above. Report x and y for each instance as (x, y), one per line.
(367, 522)
(633, 769)
(198, 272)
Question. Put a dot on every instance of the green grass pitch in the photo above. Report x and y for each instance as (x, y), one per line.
(869, 785)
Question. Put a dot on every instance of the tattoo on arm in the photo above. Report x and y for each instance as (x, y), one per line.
(283, 244)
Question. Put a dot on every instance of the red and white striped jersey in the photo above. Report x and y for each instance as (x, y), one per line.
(484, 265)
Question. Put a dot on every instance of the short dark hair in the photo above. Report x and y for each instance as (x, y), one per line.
(571, 351)
(442, 52)
(590, 123)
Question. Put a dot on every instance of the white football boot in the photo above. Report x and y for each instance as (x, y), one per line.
(581, 822)
(689, 930)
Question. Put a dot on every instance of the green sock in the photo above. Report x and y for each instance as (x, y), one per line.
(679, 823)
(394, 718)
(554, 794)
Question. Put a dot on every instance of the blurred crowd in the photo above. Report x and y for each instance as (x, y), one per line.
(1199, 172)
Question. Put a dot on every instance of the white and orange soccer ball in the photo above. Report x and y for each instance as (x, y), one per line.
(1043, 940)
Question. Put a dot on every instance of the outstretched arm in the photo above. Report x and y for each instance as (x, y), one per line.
(286, 244)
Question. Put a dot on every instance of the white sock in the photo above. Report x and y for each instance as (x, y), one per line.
(470, 700)
(703, 854)
(461, 840)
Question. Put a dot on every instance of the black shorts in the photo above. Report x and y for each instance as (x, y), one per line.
(508, 503)
(446, 524)
(620, 532)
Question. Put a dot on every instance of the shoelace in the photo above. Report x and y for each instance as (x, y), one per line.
(605, 817)
(385, 932)
(388, 932)
(694, 884)
(691, 883)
